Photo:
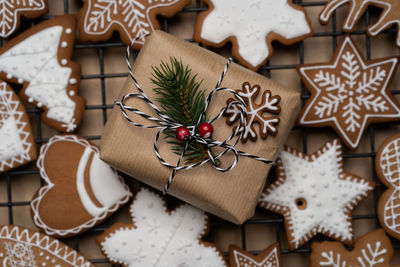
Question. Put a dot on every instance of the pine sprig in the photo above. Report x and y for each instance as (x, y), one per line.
(181, 98)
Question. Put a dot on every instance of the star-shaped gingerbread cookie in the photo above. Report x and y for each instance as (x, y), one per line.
(12, 10)
(315, 195)
(252, 26)
(373, 249)
(269, 257)
(349, 93)
(390, 15)
(98, 19)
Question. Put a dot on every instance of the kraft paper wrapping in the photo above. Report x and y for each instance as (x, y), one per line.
(231, 195)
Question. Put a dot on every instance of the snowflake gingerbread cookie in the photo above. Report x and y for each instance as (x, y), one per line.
(349, 93)
(39, 59)
(12, 10)
(22, 247)
(256, 113)
(252, 26)
(17, 144)
(389, 17)
(269, 257)
(315, 195)
(158, 237)
(387, 163)
(373, 250)
(98, 19)
(80, 189)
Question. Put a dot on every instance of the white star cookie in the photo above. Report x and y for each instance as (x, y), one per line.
(252, 26)
(315, 195)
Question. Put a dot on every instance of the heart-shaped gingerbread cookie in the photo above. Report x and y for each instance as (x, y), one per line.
(81, 190)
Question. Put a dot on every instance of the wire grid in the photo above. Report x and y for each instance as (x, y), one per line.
(273, 220)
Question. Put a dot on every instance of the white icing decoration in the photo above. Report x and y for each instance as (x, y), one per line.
(72, 81)
(9, 76)
(356, 11)
(64, 61)
(19, 254)
(26, 240)
(10, 10)
(250, 22)
(358, 86)
(389, 162)
(161, 238)
(68, 31)
(269, 104)
(109, 188)
(20, 80)
(136, 20)
(371, 256)
(48, 82)
(242, 260)
(328, 191)
(64, 44)
(71, 93)
(14, 145)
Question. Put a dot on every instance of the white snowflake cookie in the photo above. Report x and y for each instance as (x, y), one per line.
(98, 19)
(349, 93)
(264, 114)
(373, 249)
(252, 26)
(39, 59)
(389, 17)
(158, 237)
(12, 10)
(315, 195)
(22, 247)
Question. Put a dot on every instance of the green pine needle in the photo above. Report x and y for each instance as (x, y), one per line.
(181, 98)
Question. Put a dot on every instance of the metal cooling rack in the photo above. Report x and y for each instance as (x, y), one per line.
(271, 220)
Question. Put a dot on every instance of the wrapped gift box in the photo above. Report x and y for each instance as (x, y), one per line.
(231, 195)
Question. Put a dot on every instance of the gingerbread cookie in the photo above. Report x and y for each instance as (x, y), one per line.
(80, 191)
(17, 144)
(349, 93)
(158, 237)
(315, 195)
(252, 26)
(387, 163)
(270, 257)
(256, 113)
(389, 17)
(11, 12)
(23, 247)
(373, 250)
(98, 19)
(39, 59)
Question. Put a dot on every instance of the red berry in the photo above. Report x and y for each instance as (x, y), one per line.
(182, 133)
(206, 130)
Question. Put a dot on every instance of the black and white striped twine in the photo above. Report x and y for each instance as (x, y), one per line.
(166, 123)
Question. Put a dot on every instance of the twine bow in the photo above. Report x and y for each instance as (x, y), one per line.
(164, 123)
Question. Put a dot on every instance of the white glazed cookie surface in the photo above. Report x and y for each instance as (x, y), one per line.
(251, 22)
(160, 238)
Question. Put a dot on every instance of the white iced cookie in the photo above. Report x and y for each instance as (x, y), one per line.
(39, 59)
(158, 237)
(252, 26)
(315, 195)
